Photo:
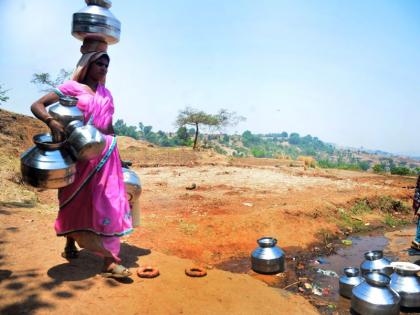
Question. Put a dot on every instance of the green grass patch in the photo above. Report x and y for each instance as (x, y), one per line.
(388, 204)
(361, 207)
(348, 221)
(393, 221)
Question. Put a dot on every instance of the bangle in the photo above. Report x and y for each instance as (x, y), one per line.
(48, 120)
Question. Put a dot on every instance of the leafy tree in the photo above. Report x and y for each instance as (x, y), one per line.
(225, 139)
(191, 132)
(46, 84)
(197, 118)
(3, 95)
(364, 165)
(294, 138)
(122, 129)
(378, 168)
(250, 140)
(182, 136)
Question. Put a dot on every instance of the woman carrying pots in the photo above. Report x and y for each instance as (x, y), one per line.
(416, 205)
(93, 213)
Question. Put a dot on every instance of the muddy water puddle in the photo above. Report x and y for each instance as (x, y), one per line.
(315, 275)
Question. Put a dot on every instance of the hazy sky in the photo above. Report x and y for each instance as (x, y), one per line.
(344, 71)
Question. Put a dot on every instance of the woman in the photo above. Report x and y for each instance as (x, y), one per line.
(416, 205)
(97, 214)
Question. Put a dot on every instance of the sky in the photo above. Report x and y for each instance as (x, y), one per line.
(346, 72)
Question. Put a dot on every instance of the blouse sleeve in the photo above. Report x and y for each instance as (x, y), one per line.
(68, 88)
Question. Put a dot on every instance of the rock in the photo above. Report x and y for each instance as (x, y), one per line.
(191, 187)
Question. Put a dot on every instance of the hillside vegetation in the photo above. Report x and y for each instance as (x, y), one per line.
(311, 150)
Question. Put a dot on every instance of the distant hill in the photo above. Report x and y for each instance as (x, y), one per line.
(16, 133)
(279, 145)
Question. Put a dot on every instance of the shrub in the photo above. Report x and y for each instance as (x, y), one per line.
(219, 150)
(361, 207)
(258, 153)
(309, 161)
(378, 168)
(400, 170)
(388, 204)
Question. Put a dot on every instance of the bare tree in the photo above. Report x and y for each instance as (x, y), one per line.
(197, 118)
(3, 95)
(46, 84)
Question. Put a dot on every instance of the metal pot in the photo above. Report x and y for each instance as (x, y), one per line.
(47, 164)
(96, 22)
(86, 142)
(349, 280)
(374, 296)
(375, 261)
(267, 258)
(66, 110)
(405, 281)
(133, 189)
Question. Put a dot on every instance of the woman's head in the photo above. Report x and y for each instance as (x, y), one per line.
(98, 68)
(93, 65)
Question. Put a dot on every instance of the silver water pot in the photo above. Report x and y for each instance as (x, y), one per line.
(86, 142)
(374, 296)
(349, 280)
(267, 258)
(47, 164)
(375, 261)
(133, 189)
(66, 110)
(96, 22)
(406, 282)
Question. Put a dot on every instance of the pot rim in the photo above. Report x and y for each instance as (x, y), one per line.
(374, 255)
(351, 271)
(44, 141)
(377, 279)
(405, 268)
(267, 241)
(102, 3)
(67, 100)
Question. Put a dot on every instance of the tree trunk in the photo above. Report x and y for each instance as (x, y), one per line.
(196, 136)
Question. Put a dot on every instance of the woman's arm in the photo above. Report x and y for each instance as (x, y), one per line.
(38, 108)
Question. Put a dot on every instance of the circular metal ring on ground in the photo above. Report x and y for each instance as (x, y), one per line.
(195, 272)
(147, 272)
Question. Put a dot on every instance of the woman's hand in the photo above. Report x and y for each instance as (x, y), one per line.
(57, 130)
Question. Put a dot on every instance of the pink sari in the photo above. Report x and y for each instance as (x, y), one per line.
(100, 212)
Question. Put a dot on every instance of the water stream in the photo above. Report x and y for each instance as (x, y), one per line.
(316, 277)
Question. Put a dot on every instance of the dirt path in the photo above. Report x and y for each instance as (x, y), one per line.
(34, 279)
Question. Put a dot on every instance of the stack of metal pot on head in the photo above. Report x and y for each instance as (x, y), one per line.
(384, 287)
(96, 22)
(52, 165)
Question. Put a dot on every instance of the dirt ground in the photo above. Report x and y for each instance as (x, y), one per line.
(197, 207)
(231, 207)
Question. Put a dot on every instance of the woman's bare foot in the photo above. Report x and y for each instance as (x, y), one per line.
(70, 250)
